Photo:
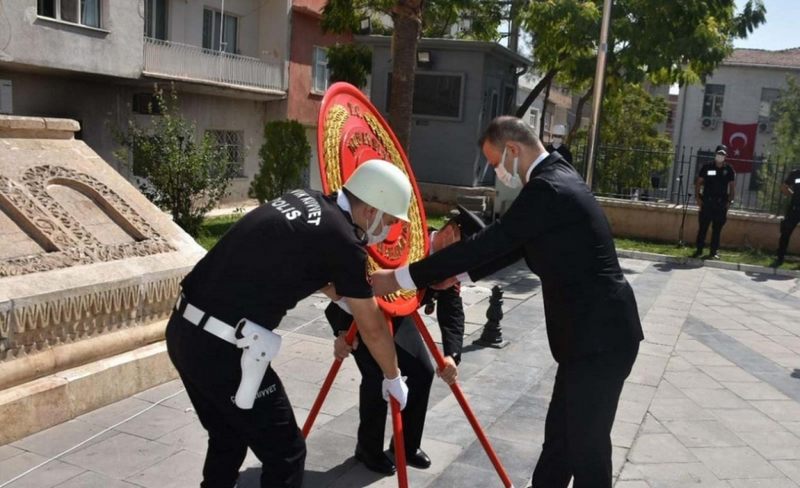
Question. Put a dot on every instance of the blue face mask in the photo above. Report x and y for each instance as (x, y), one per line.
(512, 179)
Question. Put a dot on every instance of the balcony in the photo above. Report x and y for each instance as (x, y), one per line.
(176, 61)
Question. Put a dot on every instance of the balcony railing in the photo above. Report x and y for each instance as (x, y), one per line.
(192, 63)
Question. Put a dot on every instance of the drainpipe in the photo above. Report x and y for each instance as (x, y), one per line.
(222, 27)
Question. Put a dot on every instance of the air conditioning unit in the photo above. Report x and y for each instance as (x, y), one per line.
(6, 107)
(764, 127)
(709, 123)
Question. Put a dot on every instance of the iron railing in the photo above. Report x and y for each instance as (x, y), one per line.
(193, 63)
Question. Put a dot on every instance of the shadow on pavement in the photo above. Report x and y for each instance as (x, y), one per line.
(762, 277)
(667, 267)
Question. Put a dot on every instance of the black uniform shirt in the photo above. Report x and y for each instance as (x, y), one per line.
(278, 254)
(793, 182)
(715, 180)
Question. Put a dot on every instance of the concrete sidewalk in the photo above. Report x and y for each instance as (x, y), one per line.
(711, 401)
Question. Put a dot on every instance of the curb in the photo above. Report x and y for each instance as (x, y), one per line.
(746, 268)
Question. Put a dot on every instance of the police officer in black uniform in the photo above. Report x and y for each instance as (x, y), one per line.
(715, 191)
(413, 358)
(557, 143)
(790, 188)
(220, 337)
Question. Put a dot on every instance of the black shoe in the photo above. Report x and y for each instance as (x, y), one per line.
(776, 264)
(379, 463)
(697, 253)
(714, 256)
(418, 459)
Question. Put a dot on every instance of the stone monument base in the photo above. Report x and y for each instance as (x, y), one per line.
(51, 400)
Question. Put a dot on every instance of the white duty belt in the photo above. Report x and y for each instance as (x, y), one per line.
(207, 322)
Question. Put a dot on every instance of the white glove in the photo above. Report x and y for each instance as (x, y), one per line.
(397, 388)
(342, 303)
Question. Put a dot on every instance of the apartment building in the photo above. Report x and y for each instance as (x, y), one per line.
(97, 61)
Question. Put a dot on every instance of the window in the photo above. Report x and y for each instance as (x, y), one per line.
(435, 95)
(85, 12)
(712, 101)
(155, 19)
(320, 74)
(213, 25)
(768, 98)
(533, 120)
(508, 99)
(145, 103)
(231, 143)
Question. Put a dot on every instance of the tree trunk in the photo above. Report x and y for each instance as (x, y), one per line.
(407, 18)
(578, 115)
(544, 108)
(535, 92)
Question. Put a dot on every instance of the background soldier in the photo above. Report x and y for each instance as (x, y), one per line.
(273, 257)
(715, 190)
(791, 188)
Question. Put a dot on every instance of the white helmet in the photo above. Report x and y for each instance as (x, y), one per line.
(559, 130)
(381, 185)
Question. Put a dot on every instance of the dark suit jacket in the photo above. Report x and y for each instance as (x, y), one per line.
(558, 227)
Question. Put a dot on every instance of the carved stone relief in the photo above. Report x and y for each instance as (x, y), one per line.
(64, 240)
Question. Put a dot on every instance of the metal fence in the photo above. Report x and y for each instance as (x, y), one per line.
(638, 173)
(184, 62)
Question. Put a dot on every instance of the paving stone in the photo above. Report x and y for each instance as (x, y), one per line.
(735, 462)
(673, 475)
(89, 479)
(714, 398)
(659, 448)
(623, 434)
(691, 380)
(120, 456)
(728, 373)
(746, 420)
(158, 422)
(652, 426)
(773, 445)
(702, 433)
(9, 451)
(191, 437)
(790, 469)
(181, 469)
(699, 358)
(763, 483)
(755, 391)
(61, 437)
(677, 409)
(46, 476)
(647, 370)
(780, 410)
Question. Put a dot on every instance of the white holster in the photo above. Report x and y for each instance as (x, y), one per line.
(259, 347)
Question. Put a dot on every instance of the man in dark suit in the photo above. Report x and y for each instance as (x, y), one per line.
(593, 326)
(413, 359)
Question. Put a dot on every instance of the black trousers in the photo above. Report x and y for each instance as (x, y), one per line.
(210, 370)
(415, 364)
(715, 213)
(577, 432)
(790, 221)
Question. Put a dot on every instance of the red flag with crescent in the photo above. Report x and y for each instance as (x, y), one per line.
(741, 142)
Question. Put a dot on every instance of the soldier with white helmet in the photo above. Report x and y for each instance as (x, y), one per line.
(557, 143)
(220, 336)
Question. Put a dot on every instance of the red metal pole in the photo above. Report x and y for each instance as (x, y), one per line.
(326, 386)
(399, 438)
(476, 426)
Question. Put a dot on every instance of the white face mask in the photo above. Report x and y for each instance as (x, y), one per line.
(372, 237)
(719, 158)
(511, 180)
(557, 142)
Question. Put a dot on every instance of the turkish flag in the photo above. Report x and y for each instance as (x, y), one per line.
(741, 142)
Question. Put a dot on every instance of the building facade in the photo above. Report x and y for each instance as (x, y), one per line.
(97, 61)
(734, 107)
(460, 86)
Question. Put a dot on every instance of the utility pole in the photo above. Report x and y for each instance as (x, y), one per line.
(599, 79)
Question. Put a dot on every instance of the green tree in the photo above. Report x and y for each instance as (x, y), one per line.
(633, 150)
(664, 42)
(350, 62)
(786, 140)
(412, 19)
(181, 174)
(284, 155)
